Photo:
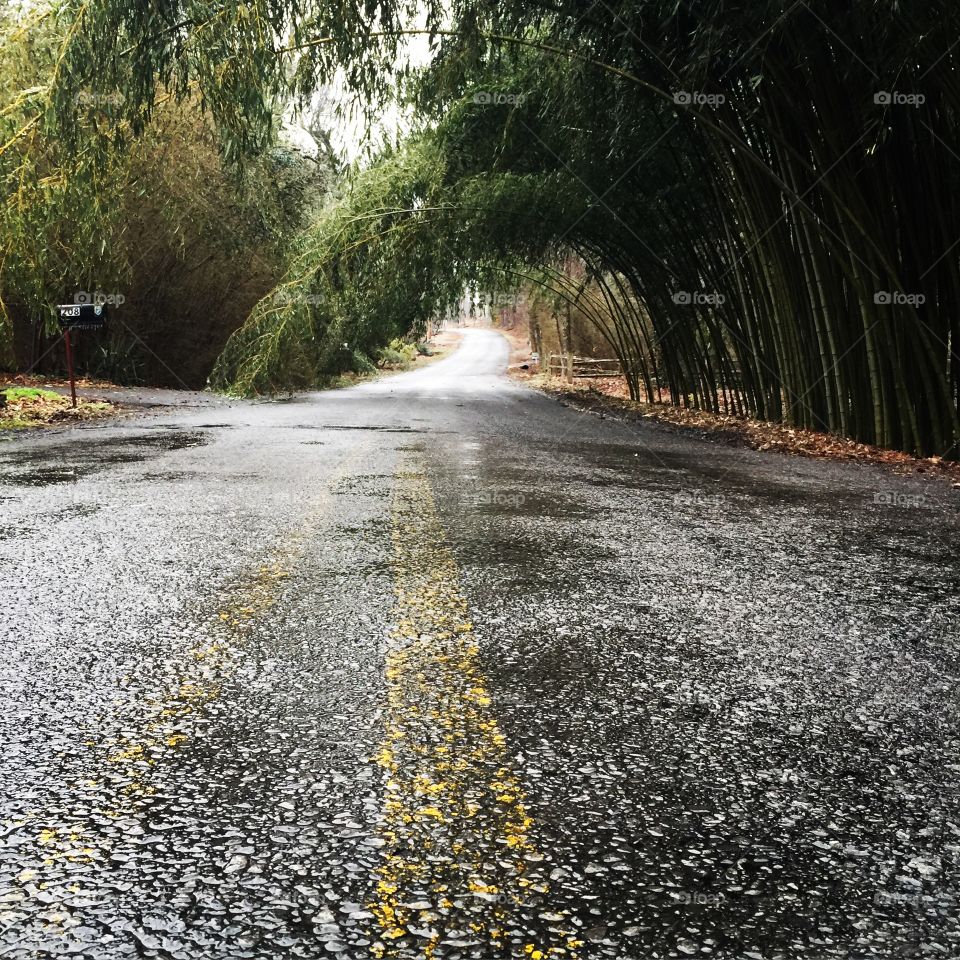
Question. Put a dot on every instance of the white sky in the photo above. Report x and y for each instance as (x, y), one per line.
(347, 133)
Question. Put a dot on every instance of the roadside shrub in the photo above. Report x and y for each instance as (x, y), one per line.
(361, 363)
(389, 358)
(397, 354)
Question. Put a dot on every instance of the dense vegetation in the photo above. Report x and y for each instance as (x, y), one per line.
(761, 197)
(159, 223)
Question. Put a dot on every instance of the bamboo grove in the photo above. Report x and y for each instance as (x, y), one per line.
(763, 197)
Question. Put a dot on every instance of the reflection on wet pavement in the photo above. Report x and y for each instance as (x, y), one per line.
(32, 468)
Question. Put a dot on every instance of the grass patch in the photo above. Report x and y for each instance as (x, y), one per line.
(36, 407)
(31, 393)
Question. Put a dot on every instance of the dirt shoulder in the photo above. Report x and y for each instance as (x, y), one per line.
(30, 402)
(34, 401)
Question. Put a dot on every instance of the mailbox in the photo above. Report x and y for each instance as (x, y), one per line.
(82, 316)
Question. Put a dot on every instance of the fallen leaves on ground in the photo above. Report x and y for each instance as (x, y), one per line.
(8, 380)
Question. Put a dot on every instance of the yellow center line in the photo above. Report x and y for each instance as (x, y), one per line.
(459, 862)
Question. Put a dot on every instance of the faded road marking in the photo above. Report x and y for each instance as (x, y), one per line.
(162, 724)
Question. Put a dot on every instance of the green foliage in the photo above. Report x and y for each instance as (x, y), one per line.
(397, 354)
(43, 177)
(390, 358)
(360, 363)
(746, 214)
(190, 243)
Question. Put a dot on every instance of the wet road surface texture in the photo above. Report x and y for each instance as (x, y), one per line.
(435, 667)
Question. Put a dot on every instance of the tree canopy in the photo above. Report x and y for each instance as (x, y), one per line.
(762, 195)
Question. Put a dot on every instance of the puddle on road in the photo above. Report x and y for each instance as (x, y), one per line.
(174, 440)
(43, 476)
(370, 531)
(76, 510)
(367, 484)
(69, 462)
(506, 552)
(377, 428)
(170, 475)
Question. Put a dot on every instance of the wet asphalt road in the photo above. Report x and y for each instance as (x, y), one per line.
(434, 667)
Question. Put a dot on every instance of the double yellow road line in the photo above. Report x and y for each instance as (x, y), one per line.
(459, 864)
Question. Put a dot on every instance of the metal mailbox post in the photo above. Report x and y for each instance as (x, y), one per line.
(78, 316)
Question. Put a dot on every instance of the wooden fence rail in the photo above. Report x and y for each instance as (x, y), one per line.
(584, 366)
